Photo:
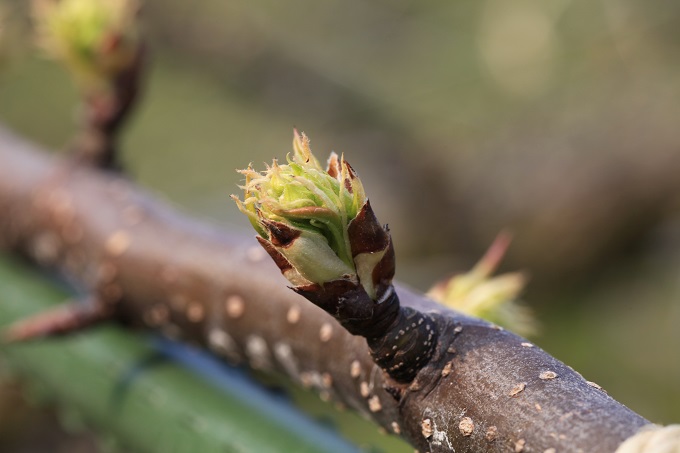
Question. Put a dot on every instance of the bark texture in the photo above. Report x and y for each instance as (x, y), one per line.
(484, 389)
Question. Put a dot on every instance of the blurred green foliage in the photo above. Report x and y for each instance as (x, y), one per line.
(557, 119)
(115, 382)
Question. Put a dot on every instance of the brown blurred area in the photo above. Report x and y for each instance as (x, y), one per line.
(555, 119)
(30, 426)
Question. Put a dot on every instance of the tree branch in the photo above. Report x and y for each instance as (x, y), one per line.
(485, 389)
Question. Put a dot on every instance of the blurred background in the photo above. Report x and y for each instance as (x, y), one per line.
(554, 119)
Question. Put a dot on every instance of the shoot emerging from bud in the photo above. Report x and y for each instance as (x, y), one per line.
(316, 223)
(479, 294)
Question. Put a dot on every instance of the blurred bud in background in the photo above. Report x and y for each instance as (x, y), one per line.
(478, 293)
(95, 39)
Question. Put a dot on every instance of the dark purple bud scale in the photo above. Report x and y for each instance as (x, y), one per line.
(366, 235)
(281, 261)
(402, 340)
(348, 303)
(280, 234)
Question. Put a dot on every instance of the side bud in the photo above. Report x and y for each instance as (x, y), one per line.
(100, 43)
(95, 39)
(495, 299)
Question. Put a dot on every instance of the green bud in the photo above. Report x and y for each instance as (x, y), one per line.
(479, 294)
(316, 222)
(95, 39)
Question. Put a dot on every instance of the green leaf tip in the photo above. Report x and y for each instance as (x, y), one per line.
(95, 39)
(313, 221)
(494, 298)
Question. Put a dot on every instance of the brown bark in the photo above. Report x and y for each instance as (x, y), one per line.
(485, 389)
(105, 113)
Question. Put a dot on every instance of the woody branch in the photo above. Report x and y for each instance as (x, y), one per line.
(484, 389)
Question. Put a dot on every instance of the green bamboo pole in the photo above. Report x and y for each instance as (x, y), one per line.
(163, 408)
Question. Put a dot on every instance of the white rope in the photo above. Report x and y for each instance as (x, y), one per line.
(653, 439)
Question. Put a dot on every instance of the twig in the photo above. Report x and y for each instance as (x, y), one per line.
(104, 114)
(58, 321)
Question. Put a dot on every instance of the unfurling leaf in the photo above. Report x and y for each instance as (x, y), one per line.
(479, 294)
